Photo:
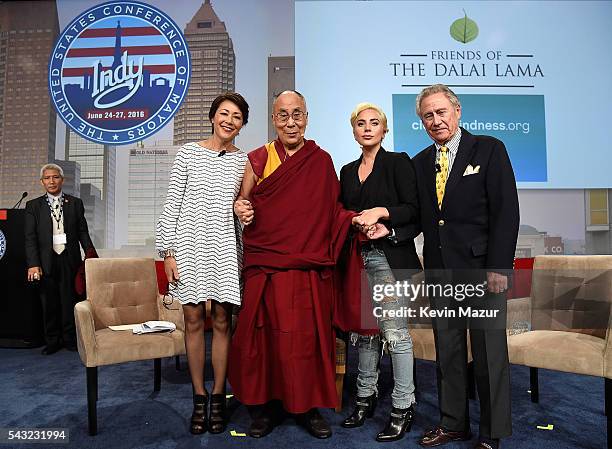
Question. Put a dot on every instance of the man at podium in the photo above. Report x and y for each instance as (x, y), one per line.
(55, 226)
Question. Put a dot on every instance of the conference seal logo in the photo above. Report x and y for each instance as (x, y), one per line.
(2, 244)
(119, 72)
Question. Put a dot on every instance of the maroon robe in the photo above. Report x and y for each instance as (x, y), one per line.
(284, 345)
(353, 301)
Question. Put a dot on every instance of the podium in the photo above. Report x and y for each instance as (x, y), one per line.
(21, 323)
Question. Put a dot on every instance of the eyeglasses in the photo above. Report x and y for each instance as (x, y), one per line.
(168, 298)
(297, 116)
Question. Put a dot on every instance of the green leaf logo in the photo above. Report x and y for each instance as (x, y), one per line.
(464, 30)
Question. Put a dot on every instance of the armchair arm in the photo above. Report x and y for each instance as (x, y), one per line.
(86, 332)
(518, 315)
(608, 351)
(174, 314)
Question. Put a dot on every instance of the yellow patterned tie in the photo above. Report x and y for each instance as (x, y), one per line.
(442, 175)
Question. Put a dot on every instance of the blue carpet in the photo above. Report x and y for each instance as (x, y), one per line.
(50, 391)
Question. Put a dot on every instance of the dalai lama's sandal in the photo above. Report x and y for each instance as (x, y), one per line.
(199, 422)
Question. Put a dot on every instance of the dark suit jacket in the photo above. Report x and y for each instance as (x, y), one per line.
(392, 184)
(39, 232)
(477, 227)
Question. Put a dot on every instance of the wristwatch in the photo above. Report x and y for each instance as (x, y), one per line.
(167, 253)
(392, 236)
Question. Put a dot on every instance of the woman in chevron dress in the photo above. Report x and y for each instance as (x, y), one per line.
(200, 241)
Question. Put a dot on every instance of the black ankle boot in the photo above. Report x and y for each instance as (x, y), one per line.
(199, 420)
(217, 418)
(364, 408)
(399, 423)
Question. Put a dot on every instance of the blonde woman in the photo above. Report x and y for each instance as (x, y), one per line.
(381, 185)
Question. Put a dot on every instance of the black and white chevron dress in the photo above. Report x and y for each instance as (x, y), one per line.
(198, 222)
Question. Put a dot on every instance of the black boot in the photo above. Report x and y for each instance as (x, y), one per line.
(364, 408)
(217, 419)
(199, 420)
(399, 423)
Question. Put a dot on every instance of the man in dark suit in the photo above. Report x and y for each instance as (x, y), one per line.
(469, 216)
(55, 227)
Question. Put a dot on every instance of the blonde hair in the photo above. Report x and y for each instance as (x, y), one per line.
(364, 106)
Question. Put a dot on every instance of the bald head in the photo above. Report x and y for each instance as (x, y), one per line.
(290, 119)
(291, 93)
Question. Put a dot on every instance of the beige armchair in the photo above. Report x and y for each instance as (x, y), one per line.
(123, 291)
(569, 316)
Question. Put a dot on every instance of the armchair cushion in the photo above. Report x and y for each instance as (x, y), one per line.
(423, 345)
(557, 350)
(124, 346)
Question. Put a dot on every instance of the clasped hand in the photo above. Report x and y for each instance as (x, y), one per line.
(373, 232)
(367, 222)
(244, 211)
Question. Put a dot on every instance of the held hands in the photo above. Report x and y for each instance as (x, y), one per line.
(171, 269)
(244, 211)
(367, 222)
(34, 274)
(369, 217)
(377, 231)
(496, 283)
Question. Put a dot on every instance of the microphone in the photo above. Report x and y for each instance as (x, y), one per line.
(23, 195)
(438, 168)
(221, 153)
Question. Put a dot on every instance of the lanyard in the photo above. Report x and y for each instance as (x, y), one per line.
(57, 217)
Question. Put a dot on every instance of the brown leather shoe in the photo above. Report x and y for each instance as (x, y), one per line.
(439, 436)
(314, 423)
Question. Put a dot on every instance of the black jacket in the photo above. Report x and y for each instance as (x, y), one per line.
(39, 232)
(477, 227)
(392, 184)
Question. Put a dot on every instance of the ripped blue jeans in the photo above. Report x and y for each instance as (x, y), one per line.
(393, 334)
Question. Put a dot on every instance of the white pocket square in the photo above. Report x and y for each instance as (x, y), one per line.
(469, 170)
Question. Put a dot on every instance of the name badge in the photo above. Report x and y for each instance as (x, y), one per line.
(59, 239)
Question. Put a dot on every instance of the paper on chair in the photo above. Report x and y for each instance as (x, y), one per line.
(123, 327)
(154, 326)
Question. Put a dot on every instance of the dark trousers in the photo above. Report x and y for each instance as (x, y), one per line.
(491, 371)
(58, 299)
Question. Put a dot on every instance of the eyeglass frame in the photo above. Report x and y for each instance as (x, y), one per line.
(283, 116)
(168, 294)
